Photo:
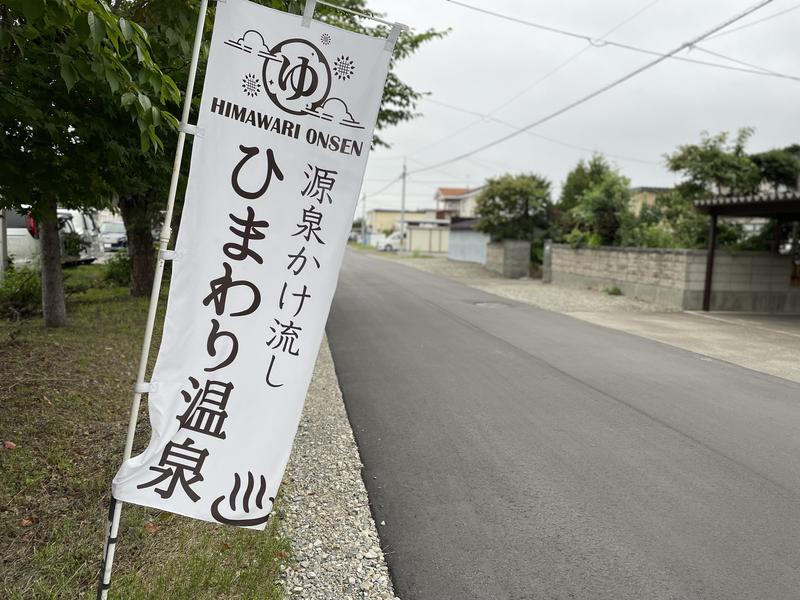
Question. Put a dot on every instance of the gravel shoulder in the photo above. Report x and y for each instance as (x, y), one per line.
(530, 291)
(325, 508)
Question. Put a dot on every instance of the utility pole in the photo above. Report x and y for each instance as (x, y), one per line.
(403, 209)
(364, 219)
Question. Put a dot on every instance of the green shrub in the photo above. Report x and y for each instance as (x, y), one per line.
(118, 270)
(613, 291)
(20, 293)
(74, 244)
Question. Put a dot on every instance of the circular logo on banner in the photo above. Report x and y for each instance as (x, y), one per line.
(297, 77)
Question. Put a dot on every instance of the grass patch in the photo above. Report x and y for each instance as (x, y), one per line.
(64, 401)
(360, 246)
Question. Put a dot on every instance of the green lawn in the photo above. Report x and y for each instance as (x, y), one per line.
(64, 401)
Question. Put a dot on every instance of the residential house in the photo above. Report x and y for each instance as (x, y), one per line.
(459, 202)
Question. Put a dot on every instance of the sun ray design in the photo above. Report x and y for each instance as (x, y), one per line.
(251, 85)
(343, 67)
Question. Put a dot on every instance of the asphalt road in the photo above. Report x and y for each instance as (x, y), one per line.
(519, 453)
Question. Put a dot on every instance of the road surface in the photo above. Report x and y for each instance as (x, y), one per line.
(516, 453)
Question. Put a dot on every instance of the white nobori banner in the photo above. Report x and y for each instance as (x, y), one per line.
(280, 149)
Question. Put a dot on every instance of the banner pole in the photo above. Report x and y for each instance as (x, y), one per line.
(115, 509)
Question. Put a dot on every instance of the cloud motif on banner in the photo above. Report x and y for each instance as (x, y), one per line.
(251, 40)
(297, 77)
(335, 110)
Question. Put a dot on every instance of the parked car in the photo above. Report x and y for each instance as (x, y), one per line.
(79, 238)
(83, 225)
(23, 242)
(391, 243)
(113, 237)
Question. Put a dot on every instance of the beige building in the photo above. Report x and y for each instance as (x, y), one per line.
(382, 220)
(645, 196)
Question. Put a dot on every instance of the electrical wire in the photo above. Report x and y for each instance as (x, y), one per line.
(527, 89)
(386, 187)
(735, 60)
(543, 137)
(593, 42)
(603, 42)
(602, 89)
(746, 25)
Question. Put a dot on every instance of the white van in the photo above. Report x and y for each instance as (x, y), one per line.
(23, 237)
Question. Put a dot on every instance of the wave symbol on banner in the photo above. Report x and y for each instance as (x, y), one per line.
(233, 499)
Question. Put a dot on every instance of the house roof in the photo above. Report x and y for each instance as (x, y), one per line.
(448, 192)
(457, 193)
(784, 204)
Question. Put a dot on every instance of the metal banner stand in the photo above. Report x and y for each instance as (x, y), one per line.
(141, 387)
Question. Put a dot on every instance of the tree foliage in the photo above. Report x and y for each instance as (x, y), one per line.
(779, 168)
(716, 165)
(585, 175)
(514, 207)
(86, 92)
(63, 65)
(601, 211)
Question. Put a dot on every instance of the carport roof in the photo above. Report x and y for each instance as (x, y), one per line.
(784, 205)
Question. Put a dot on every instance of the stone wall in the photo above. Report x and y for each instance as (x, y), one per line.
(746, 281)
(510, 258)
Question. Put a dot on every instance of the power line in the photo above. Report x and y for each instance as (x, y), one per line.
(594, 42)
(551, 72)
(746, 25)
(603, 89)
(735, 60)
(603, 42)
(564, 63)
(386, 187)
(543, 137)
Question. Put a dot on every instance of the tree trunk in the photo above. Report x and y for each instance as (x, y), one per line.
(141, 247)
(53, 303)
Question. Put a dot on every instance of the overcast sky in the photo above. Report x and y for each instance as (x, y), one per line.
(485, 62)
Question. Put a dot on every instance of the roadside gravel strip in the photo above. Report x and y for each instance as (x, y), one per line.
(326, 515)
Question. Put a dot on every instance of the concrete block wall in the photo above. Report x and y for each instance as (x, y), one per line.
(653, 275)
(743, 281)
(510, 258)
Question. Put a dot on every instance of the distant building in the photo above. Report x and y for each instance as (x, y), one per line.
(458, 202)
(645, 196)
(383, 220)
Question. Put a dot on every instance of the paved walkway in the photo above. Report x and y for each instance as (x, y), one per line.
(766, 343)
